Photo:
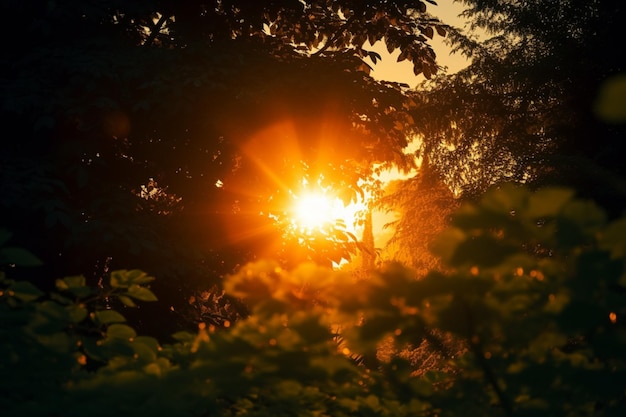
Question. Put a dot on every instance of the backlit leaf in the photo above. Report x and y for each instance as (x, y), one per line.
(548, 202)
(121, 331)
(141, 293)
(446, 243)
(127, 301)
(72, 282)
(136, 276)
(108, 316)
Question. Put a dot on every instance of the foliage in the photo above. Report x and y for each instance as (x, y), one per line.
(524, 109)
(535, 290)
(115, 101)
(423, 206)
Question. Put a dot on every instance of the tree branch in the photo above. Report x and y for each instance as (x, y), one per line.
(155, 30)
(334, 37)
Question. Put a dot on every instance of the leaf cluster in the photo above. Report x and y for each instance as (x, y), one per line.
(534, 291)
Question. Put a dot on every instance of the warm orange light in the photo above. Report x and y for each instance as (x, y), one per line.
(314, 210)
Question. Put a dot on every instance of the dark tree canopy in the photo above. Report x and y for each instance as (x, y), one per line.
(524, 109)
(128, 114)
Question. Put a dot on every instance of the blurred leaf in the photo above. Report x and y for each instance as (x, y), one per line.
(119, 278)
(144, 351)
(151, 342)
(136, 276)
(121, 331)
(548, 202)
(76, 313)
(141, 293)
(447, 242)
(184, 337)
(71, 282)
(482, 251)
(24, 291)
(614, 239)
(108, 316)
(59, 342)
(611, 101)
(311, 330)
(127, 301)
(124, 278)
(586, 214)
(506, 198)
(19, 257)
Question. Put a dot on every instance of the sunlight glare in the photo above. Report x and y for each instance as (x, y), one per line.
(314, 210)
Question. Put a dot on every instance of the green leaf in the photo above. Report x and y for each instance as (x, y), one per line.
(184, 337)
(77, 313)
(614, 239)
(121, 331)
(611, 102)
(124, 278)
(119, 279)
(137, 276)
(61, 299)
(108, 316)
(146, 348)
(127, 301)
(59, 342)
(586, 214)
(144, 352)
(76, 284)
(482, 251)
(141, 293)
(151, 342)
(446, 243)
(505, 198)
(19, 257)
(71, 282)
(25, 291)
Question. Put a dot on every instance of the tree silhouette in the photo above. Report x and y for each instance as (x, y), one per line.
(523, 110)
(153, 134)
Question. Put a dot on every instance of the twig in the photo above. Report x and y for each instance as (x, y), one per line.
(155, 30)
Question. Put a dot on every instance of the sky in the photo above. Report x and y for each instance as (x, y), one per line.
(390, 70)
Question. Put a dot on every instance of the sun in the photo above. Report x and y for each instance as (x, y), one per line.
(315, 211)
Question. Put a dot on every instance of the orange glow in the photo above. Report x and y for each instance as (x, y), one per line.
(613, 317)
(314, 210)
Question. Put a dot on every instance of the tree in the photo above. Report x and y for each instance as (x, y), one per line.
(154, 133)
(423, 207)
(524, 109)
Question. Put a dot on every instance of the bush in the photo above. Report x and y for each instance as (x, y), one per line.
(534, 290)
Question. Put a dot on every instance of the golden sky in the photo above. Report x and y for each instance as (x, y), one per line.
(390, 70)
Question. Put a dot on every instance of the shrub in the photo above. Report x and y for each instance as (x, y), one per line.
(534, 290)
